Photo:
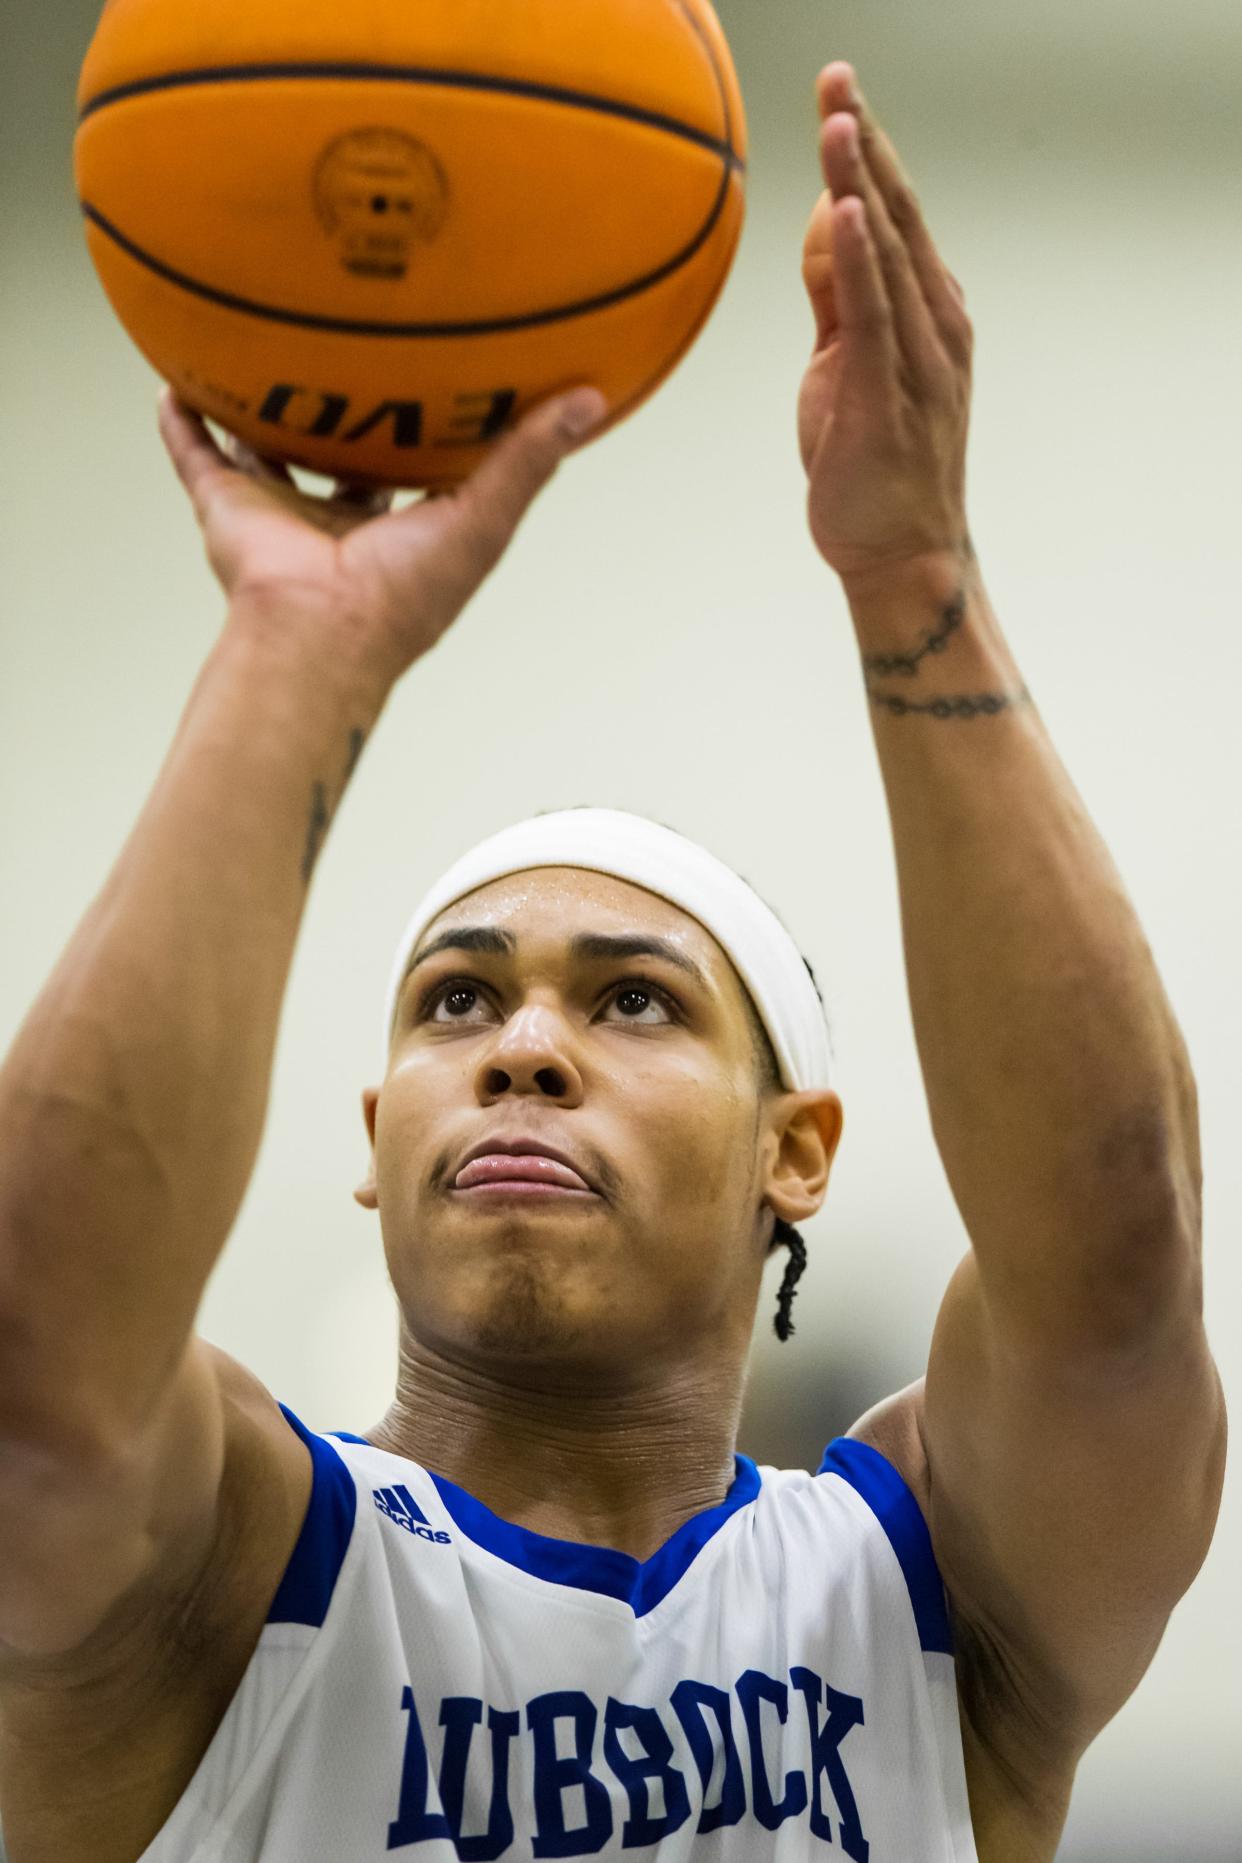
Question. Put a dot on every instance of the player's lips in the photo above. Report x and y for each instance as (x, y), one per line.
(520, 1163)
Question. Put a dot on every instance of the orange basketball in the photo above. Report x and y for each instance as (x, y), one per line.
(367, 236)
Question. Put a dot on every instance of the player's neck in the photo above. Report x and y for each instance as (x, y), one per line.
(603, 1469)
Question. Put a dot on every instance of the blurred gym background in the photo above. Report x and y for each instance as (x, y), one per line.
(664, 637)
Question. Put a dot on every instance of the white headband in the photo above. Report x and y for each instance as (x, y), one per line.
(629, 847)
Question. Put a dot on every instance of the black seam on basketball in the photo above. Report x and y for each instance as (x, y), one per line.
(692, 336)
(665, 369)
(344, 326)
(419, 74)
(696, 28)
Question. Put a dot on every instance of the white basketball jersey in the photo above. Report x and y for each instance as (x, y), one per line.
(433, 1683)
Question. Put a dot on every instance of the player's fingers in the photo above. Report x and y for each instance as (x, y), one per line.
(848, 172)
(371, 500)
(498, 494)
(193, 452)
(258, 465)
(837, 89)
(942, 293)
(957, 287)
(863, 304)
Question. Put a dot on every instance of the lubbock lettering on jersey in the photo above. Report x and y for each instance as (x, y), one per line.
(435, 1682)
(563, 1732)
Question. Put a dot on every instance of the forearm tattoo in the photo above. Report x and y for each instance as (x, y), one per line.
(908, 666)
(321, 814)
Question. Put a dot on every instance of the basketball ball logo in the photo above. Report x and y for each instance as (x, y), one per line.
(378, 193)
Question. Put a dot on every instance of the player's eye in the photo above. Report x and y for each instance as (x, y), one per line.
(459, 996)
(456, 990)
(639, 986)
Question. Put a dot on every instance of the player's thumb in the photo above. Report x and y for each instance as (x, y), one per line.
(500, 492)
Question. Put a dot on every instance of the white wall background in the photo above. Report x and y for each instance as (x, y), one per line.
(665, 638)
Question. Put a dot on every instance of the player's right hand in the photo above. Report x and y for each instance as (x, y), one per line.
(402, 577)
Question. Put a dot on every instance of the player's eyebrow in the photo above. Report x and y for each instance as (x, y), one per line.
(590, 947)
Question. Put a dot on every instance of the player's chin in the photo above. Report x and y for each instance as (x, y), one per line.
(533, 1312)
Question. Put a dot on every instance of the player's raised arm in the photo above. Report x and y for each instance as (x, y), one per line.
(1072, 1419)
(133, 1098)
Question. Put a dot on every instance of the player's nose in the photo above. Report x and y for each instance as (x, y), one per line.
(534, 1052)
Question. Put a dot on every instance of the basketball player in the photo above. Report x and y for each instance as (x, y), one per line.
(543, 1609)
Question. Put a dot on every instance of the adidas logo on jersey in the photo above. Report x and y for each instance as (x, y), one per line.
(399, 1505)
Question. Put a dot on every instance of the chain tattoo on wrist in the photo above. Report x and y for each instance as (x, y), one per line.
(909, 666)
(321, 814)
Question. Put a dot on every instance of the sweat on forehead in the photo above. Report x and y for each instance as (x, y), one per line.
(557, 903)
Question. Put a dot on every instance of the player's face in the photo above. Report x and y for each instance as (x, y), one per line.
(637, 1066)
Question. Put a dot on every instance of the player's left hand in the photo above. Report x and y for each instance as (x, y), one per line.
(885, 406)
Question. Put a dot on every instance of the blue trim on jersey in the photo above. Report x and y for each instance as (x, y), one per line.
(894, 1506)
(598, 1568)
(310, 1577)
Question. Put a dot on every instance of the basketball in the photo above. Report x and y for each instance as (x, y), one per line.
(367, 239)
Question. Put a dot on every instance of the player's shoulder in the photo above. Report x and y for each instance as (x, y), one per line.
(242, 1391)
(894, 1428)
(264, 1496)
(265, 1448)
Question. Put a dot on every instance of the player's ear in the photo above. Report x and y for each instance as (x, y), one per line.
(367, 1194)
(809, 1132)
